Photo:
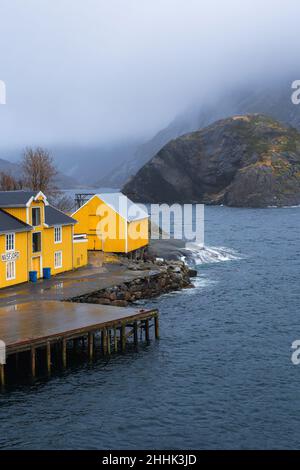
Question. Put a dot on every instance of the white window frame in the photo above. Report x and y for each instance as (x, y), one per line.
(55, 259)
(10, 242)
(40, 212)
(12, 275)
(58, 230)
(40, 251)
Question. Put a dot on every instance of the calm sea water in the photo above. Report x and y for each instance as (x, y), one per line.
(220, 377)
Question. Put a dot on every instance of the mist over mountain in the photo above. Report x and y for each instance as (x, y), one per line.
(112, 165)
(273, 100)
(89, 165)
(246, 161)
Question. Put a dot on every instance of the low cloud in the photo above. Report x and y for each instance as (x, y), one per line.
(96, 71)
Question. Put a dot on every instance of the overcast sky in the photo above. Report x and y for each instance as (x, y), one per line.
(95, 71)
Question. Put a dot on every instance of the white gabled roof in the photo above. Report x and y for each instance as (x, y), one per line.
(123, 206)
(120, 204)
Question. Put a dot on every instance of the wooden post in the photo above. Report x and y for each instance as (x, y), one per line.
(33, 361)
(147, 332)
(123, 337)
(48, 356)
(135, 334)
(108, 341)
(2, 375)
(91, 345)
(64, 352)
(104, 341)
(156, 325)
(116, 339)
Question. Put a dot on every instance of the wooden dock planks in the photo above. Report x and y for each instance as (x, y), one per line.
(32, 326)
(36, 322)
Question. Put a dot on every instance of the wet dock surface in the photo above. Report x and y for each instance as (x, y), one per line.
(36, 317)
(32, 322)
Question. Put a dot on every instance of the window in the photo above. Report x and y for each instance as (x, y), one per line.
(36, 242)
(58, 259)
(10, 270)
(10, 242)
(36, 216)
(57, 234)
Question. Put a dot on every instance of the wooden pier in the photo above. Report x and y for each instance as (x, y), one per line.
(51, 330)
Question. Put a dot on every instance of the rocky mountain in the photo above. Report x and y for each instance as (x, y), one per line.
(246, 161)
(272, 100)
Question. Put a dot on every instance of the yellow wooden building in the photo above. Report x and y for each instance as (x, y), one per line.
(113, 223)
(34, 235)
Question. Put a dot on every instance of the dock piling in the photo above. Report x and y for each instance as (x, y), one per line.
(115, 339)
(104, 341)
(91, 345)
(123, 337)
(108, 342)
(33, 361)
(156, 325)
(48, 357)
(147, 331)
(2, 375)
(64, 352)
(135, 334)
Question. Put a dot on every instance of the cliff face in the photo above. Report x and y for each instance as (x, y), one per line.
(246, 161)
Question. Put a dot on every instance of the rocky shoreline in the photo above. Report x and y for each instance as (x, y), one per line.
(163, 277)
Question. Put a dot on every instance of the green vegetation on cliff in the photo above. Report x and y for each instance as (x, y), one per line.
(247, 160)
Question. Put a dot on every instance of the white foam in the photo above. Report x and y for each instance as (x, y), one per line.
(209, 254)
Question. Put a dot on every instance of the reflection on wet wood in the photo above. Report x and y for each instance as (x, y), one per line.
(39, 327)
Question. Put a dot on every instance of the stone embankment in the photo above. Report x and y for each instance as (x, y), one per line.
(161, 278)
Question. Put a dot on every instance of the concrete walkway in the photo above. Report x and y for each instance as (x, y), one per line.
(71, 284)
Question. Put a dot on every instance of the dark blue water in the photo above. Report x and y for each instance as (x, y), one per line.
(221, 375)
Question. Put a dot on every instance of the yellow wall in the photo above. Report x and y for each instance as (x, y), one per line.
(74, 254)
(49, 247)
(140, 228)
(18, 212)
(80, 253)
(106, 230)
(91, 220)
(21, 262)
(30, 261)
(36, 260)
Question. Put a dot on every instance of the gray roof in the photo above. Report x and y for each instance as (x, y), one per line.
(9, 223)
(16, 198)
(56, 217)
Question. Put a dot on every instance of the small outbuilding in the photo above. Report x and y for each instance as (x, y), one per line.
(113, 223)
